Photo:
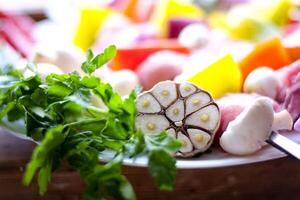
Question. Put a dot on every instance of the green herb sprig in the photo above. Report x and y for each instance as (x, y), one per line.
(59, 114)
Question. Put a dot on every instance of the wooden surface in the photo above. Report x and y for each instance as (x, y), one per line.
(276, 179)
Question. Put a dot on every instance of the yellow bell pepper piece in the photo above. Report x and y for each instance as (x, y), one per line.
(219, 78)
(253, 21)
(90, 22)
(167, 9)
(277, 11)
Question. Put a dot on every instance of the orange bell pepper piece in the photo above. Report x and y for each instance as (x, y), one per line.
(291, 42)
(270, 53)
(130, 9)
(137, 11)
(131, 58)
(294, 52)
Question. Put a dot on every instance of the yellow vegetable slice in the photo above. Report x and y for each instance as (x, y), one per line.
(167, 9)
(219, 78)
(90, 22)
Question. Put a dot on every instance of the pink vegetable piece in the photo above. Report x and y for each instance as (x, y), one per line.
(292, 99)
(177, 24)
(297, 125)
(160, 66)
(24, 23)
(125, 34)
(231, 106)
(290, 90)
(289, 73)
(16, 31)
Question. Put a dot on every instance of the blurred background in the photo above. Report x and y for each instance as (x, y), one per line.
(156, 39)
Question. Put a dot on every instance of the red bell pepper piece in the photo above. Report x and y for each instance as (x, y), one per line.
(131, 58)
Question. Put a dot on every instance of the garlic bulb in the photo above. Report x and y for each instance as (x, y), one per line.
(185, 111)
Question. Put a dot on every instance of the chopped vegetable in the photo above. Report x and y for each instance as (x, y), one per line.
(292, 100)
(16, 30)
(288, 74)
(138, 11)
(291, 43)
(130, 10)
(194, 36)
(160, 66)
(269, 53)
(293, 52)
(90, 22)
(219, 78)
(131, 58)
(230, 107)
(278, 11)
(263, 81)
(168, 9)
(123, 81)
(185, 111)
(297, 125)
(57, 113)
(177, 24)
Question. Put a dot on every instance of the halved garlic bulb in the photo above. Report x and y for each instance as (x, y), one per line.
(185, 111)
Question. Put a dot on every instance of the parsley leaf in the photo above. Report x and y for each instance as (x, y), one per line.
(162, 167)
(94, 63)
(42, 158)
(161, 164)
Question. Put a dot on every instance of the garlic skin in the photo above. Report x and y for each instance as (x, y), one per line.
(247, 133)
(262, 81)
(186, 112)
(43, 69)
(68, 58)
(123, 81)
(194, 36)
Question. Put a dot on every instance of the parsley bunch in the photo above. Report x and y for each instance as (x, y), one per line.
(57, 113)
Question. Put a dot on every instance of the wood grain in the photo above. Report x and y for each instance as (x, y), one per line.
(276, 179)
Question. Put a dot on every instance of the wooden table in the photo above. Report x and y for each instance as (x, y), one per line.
(276, 179)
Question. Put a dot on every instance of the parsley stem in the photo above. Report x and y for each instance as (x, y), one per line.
(86, 121)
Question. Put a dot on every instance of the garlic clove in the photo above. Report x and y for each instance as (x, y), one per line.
(165, 92)
(199, 138)
(176, 111)
(207, 118)
(123, 81)
(151, 124)
(196, 101)
(262, 81)
(186, 89)
(186, 143)
(146, 103)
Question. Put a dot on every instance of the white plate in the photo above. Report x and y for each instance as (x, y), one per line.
(214, 159)
(217, 158)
